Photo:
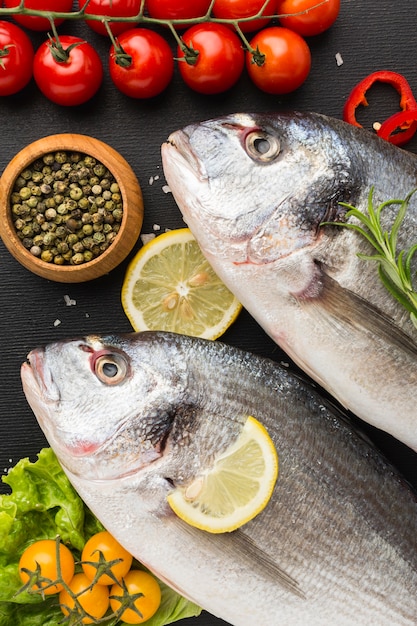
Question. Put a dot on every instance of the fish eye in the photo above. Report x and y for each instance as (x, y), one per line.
(262, 147)
(111, 369)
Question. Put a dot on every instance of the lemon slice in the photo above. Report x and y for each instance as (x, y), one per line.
(169, 285)
(235, 489)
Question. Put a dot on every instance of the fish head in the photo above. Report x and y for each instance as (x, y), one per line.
(104, 404)
(255, 188)
(135, 406)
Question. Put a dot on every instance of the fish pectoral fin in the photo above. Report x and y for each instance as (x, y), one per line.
(238, 546)
(241, 542)
(351, 314)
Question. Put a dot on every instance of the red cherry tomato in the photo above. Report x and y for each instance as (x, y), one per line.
(72, 81)
(286, 64)
(236, 9)
(220, 60)
(177, 9)
(316, 20)
(34, 22)
(149, 66)
(111, 8)
(16, 59)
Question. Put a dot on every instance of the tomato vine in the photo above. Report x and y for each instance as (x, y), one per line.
(222, 27)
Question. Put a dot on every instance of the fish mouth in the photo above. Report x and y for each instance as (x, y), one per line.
(180, 150)
(37, 379)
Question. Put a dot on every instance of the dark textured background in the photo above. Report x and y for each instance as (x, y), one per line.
(370, 35)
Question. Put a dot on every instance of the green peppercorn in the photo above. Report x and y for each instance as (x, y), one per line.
(47, 256)
(49, 239)
(27, 242)
(60, 157)
(118, 215)
(20, 182)
(50, 214)
(99, 237)
(87, 229)
(27, 231)
(38, 240)
(59, 259)
(26, 174)
(88, 242)
(50, 203)
(61, 231)
(62, 247)
(48, 159)
(99, 169)
(83, 203)
(45, 189)
(89, 160)
(77, 259)
(76, 193)
(32, 202)
(72, 239)
(19, 224)
(88, 256)
(62, 208)
(110, 237)
(25, 193)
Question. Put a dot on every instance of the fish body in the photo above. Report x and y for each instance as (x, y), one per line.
(132, 417)
(255, 190)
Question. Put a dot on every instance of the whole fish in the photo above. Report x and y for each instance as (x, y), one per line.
(255, 190)
(131, 417)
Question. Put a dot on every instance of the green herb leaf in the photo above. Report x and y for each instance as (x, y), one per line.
(394, 267)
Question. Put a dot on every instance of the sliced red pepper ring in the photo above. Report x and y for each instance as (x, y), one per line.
(357, 96)
(402, 120)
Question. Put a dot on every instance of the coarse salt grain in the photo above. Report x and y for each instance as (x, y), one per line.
(166, 189)
(339, 60)
(145, 238)
(156, 227)
(57, 322)
(69, 301)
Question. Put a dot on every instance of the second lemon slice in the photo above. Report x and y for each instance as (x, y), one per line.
(169, 285)
(236, 488)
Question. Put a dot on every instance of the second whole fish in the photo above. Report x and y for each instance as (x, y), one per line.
(133, 417)
(255, 190)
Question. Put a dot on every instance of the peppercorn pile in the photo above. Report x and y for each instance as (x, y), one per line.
(67, 208)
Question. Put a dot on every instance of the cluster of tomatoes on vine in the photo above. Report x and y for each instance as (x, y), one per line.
(211, 54)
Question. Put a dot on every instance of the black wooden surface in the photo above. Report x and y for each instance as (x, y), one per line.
(370, 35)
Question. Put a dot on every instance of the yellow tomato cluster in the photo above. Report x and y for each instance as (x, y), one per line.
(106, 580)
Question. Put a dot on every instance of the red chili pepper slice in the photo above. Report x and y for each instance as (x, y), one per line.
(402, 120)
(357, 96)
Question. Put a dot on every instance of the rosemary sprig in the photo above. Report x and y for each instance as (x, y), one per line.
(394, 267)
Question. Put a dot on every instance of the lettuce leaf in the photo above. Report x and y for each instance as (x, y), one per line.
(44, 504)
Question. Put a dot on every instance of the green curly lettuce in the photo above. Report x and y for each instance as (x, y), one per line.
(43, 504)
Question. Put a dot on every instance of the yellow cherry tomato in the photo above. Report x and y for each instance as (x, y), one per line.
(146, 605)
(104, 543)
(94, 599)
(42, 555)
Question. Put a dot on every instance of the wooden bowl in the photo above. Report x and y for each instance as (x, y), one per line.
(131, 197)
